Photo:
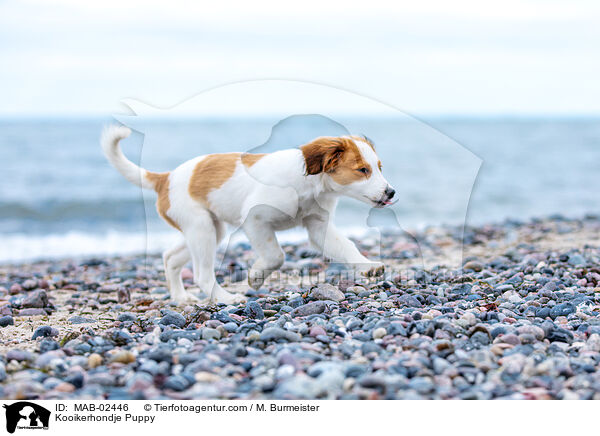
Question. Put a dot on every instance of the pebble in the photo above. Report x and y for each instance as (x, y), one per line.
(123, 356)
(276, 333)
(311, 308)
(173, 318)
(44, 332)
(208, 333)
(19, 355)
(325, 291)
(379, 333)
(317, 330)
(35, 299)
(80, 320)
(6, 321)
(126, 317)
(254, 311)
(563, 309)
(473, 266)
(517, 321)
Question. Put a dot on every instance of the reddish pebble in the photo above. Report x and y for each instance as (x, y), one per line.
(6, 309)
(64, 387)
(510, 339)
(317, 330)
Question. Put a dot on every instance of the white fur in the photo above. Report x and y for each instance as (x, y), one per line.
(273, 194)
(110, 145)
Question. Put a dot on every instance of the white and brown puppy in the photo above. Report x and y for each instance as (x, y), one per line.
(261, 193)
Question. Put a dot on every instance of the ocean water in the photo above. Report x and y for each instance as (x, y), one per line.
(60, 198)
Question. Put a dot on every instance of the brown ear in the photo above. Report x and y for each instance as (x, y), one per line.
(323, 155)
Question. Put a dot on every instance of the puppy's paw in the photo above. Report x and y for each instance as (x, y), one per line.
(185, 298)
(256, 278)
(373, 269)
(221, 296)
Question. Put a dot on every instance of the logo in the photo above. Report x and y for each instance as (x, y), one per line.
(26, 415)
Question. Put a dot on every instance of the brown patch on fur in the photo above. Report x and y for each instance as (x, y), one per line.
(249, 159)
(211, 173)
(339, 157)
(322, 154)
(379, 165)
(163, 203)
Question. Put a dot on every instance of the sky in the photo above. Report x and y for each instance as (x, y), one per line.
(431, 57)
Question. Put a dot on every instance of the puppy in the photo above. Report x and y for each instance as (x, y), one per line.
(262, 194)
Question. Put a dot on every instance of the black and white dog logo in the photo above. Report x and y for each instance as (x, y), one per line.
(26, 415)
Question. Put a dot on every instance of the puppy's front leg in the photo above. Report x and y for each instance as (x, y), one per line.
(270, 256)
(327, 238)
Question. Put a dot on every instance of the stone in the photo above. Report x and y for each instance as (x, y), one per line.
(29, 284)
(32, 312)
(123, 295)
(6, 321)
(310, 309)
(173, 318)
(126, 317)
(563, 309)
(47, 359)
(20, 355)
(253, 310)
(177, 383)
(536, 331)
(81, 320)
(48, 345)
(276, 333)
(409, 300)
(326, 291)
(35, 299)
(298, 387)
(560, 335)
(123, 356)
(44, 332)
(473, 266)
(208, 333)
(120, 337)
(317, 330)
(379, 333)
(576, 260)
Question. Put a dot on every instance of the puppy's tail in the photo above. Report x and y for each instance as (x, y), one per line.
(110, 145)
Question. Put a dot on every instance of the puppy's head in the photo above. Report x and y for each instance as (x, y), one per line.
(351, 166)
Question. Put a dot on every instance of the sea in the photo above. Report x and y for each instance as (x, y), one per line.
(59, 198)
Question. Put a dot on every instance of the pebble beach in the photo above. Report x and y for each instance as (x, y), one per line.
(517, 316)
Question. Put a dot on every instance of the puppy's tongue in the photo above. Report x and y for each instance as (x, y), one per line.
(388, 202)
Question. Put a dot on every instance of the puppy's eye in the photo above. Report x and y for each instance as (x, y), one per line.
(364, 170)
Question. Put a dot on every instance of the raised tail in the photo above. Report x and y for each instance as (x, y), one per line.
(110, 145)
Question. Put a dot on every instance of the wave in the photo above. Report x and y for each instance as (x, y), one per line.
(19, 247)
(50, 210)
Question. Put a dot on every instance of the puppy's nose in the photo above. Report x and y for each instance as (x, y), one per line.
(390, 192)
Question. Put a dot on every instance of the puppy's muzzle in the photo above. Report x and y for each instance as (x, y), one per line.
(386, 198)
(389, 193)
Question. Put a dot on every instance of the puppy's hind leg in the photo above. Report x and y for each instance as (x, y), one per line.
(174, 260)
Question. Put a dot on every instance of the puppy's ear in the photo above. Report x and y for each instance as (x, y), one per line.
(323, 155)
